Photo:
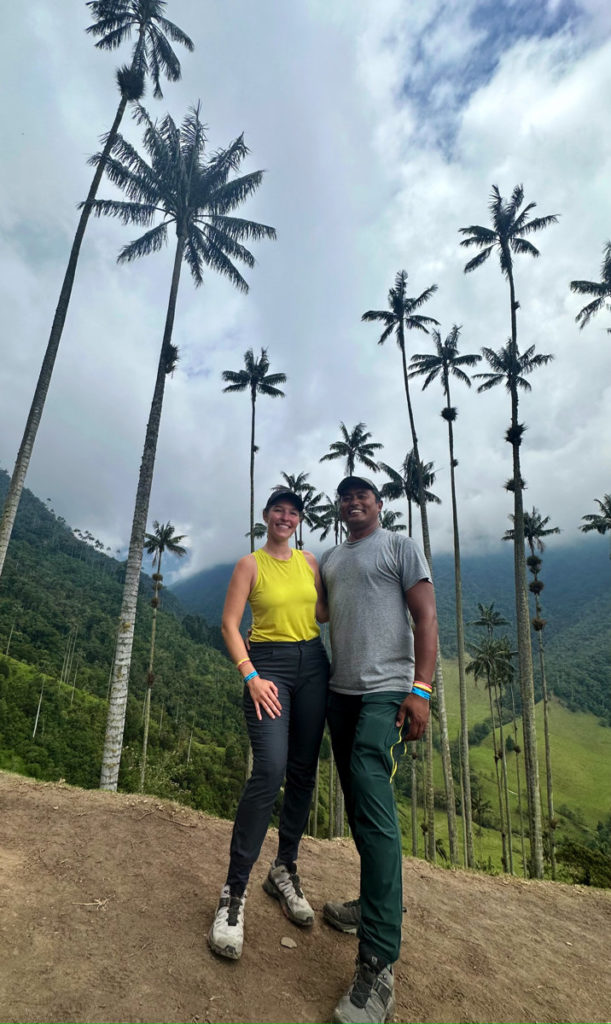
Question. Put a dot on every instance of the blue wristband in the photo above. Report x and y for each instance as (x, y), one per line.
(421, 693)
(251, 675)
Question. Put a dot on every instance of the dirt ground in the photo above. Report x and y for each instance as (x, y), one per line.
(106, 899)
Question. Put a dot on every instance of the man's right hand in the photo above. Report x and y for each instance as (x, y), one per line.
(417, 709)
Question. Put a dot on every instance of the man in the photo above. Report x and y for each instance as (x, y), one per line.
(380, 686)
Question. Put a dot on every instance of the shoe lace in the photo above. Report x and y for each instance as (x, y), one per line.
(352, 903)
(233, 912)
(295, 880)
(363, 983)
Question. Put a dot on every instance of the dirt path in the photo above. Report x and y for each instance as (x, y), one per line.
(105, 901)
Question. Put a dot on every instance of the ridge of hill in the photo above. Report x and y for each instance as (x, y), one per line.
(106, 899)
(576, 604)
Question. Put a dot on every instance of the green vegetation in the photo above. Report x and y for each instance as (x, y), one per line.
(57, 586)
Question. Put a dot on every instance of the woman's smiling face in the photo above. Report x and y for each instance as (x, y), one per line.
(282, 519)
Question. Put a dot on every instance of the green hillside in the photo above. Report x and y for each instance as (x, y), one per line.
(576, 605)
(59, 604)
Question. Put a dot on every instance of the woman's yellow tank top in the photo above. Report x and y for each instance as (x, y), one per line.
(283, 600)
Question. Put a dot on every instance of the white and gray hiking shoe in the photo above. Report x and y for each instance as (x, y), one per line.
(226, 937)
(371, 996)
(284, 886)
(346, 917)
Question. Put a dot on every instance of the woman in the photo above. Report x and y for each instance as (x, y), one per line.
(286, 674)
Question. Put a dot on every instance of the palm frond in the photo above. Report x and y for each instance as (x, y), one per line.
(523, 246)
(538, 223)
(477, 260)
(478, 235)
(129, 213)
(385, 315)
(152, 241)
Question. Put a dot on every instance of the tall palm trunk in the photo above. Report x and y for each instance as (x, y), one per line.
(518, 780)
(149, 675)
(460, 642)
(498, 697)
(414, 776)
(44, 378)
(497, 758)
(525, 663)
(253, 399)
(113, 742)
(429, 799)
(446, 760)
(548, 751)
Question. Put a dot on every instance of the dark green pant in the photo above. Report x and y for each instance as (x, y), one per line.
(366, 745)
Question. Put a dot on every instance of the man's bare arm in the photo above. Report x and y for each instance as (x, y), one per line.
(421, 603)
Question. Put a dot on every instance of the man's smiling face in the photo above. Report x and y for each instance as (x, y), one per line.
(360, 509)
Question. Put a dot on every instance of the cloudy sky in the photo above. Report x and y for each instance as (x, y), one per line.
(382, 125)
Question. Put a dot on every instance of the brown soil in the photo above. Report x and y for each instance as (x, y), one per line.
(105, 901)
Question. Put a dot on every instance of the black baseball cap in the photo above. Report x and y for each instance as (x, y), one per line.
(284, 495)
(358, 481)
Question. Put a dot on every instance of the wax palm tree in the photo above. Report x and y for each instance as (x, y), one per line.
(406, 484)
(354, 447)
(254, 378)
(535, 528)
(197, 197)
(156, 544)
(388, 521)
(327, 518)
(443, 364)
(401, 316)
(601, 290)
(511, 223)
(152, 55)
(489, 618)
(491, 659)
(599, 521)
(510, 368)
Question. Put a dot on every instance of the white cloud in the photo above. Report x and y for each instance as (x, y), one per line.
(367, 172)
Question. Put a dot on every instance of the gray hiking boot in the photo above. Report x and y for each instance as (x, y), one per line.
(371, 997)
(346, 917)
(284, 886)
(226, 937)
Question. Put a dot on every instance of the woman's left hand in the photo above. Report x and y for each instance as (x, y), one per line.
(264, 695)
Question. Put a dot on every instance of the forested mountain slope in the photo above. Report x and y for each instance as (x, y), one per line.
(576, 604)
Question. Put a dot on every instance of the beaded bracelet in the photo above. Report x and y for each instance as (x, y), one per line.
(421, 693)
(251, 675)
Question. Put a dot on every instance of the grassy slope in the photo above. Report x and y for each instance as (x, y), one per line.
(581, 755)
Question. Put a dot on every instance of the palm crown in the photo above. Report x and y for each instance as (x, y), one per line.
(489, 618)
(510, 368)
(535, 528)
(354, 447)
(510, 225)
(402, 312)
(163, 539)
(600, 289)
(444, 362)
(255, 376)
(599, 521)
(406, 483)
(152, 54)
(193, 194)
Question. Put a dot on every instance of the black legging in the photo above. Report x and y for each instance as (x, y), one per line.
(282, 747)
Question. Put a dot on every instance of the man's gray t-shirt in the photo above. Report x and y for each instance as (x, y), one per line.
(371, 638)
